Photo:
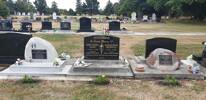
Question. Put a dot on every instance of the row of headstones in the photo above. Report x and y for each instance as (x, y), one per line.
(85, 25)
(96, 47)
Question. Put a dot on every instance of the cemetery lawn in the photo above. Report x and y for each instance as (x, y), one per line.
(138, 27)
(118, 89)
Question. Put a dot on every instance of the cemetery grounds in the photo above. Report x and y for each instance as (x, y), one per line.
(118, 89)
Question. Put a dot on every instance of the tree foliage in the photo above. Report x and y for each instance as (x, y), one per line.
(4, 10)
(109, 8)
(41, 5)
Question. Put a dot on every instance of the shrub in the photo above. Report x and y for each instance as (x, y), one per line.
(101, 80)
(170, 81)
(28, 80)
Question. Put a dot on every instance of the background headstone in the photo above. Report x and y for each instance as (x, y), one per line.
(145, 18)
(154, 17)
(114, 26)
(101, 47)
(65, 25)
(134, 16)
(54, 16)
(85, 25)
(46, 25)
(23, 14)
(6, 25)
(12, 47)
(26, 26)
(34, 16)
(165, 43)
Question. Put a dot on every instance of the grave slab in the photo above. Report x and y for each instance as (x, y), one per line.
(150, 73)
(112, 68)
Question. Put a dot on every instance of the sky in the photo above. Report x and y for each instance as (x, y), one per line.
(67, 4)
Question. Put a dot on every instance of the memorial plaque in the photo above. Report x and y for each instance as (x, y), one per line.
(165, 43)
(85, 25)
(114, 26)
(39, 54)
(26, 26)
(46, 25)
(65, 25)
(6, 25)
(100, 47)
(165, 60)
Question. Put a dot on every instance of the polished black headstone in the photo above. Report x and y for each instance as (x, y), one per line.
(85, 25)
(26, 26)
(6, 25)
(12, 46)
(46, 25)
(114, 26)
(101, 47)
(65, 26)
(165, 43)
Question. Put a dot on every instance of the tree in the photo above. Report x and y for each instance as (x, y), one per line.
(109, 8)
(41, 6)
(54, 7)
(11, 5)
(160, 7)
(4, 10)
(92, 6)
(71, 12)
(79, 7)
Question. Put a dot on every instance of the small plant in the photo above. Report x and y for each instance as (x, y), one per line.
(170, 81)
(28, 80)
(101, 80)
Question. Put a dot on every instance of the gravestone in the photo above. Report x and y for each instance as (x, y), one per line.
(23, 14)
(65, 25)
(6, 25)
(165, 43)
(26, 26)
(101, 47)
(54, 16)
(145, 18)
(34, 16)
(46, 25)
(12, 46)
(114, 26)
(134, 16)
(154, 17)
(39, 50)
(163, 59)
(85, 25)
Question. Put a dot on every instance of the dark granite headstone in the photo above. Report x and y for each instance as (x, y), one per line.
(101, 47)
(65, 25)
(12, 46)
(6, 25)
(114, 26)
(46, 25)
(165, 43)
(26, 26)
(85, 25)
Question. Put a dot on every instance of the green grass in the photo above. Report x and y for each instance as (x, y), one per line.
(183, 50)
(54, 37)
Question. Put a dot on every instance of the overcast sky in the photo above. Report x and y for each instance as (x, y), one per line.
(66, 4)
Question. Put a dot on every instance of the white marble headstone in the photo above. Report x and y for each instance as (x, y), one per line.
(154, 17)
(145, 18)
(54, 16)
(23, 14)
(34, 16)
(134, 16)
